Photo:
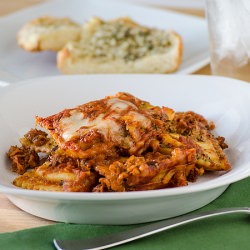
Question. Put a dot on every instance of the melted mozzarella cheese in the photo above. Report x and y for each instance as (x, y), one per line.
(75, 122)
(118, 104)
(135, 116)
(107, 126)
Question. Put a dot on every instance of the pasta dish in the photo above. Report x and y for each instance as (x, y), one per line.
(116, 144)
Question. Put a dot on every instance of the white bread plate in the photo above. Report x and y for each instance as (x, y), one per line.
(23, 65)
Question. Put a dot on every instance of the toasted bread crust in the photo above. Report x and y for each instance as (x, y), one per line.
(82, 58)
(114, 46)
(48, 33)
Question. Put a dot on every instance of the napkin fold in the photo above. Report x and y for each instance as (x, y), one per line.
(224, 232)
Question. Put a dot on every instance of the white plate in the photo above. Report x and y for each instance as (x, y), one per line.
(182, 4)
(24, 65)
(224, 101)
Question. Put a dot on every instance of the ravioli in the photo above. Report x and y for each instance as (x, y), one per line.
(116, 144)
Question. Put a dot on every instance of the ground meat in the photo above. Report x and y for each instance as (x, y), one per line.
(221, 141)
(37, 137)
(186, 122)
(22, 158)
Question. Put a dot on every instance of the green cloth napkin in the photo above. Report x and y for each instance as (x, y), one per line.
(230, 232)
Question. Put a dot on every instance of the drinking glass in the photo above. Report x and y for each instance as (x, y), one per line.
(229, 37)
